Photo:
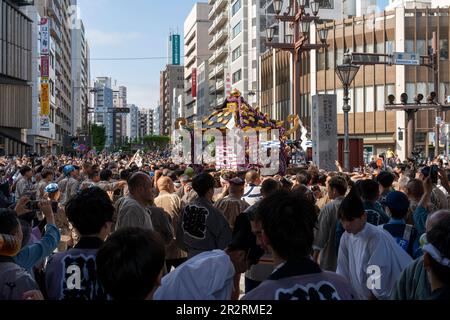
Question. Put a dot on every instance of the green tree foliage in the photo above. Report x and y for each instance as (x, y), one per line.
(98, 136)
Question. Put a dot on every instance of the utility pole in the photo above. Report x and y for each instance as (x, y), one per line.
(434, 59)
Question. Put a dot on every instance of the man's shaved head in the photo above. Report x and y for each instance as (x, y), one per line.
(165, 184)
(138, 179)
(434, 218)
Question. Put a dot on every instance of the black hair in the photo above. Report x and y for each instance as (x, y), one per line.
(125, 174)
(203, 183)
(24, 170)
(288, 221)
(89, 210)
(92, 174)
(386, 179)
(351, 207)
(129, 263)
(45, 173)
(369, 189)
(8, 221)
(303, 177)
(270, 186)
(439, 237)
(322, 179)
(105, 174)
(339, 184)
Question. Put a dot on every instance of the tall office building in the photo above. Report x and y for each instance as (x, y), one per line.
(41, 137)
(120, 123)
(60, 12)
(196, 51)
(171, 78)
(80, 80)
(156, 122)
(103, 108)
(133, 123)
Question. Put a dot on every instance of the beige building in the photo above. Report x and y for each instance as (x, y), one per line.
(196, 51)
(399, 30)
(59, 11)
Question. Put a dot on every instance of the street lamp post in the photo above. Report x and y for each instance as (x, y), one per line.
(346, 73)
(297, 39)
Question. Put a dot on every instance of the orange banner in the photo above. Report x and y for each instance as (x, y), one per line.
(45, 100)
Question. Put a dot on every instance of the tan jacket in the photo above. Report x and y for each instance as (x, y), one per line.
(231, 208)
(171, 203)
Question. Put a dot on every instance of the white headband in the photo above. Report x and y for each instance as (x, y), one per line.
(436, 255)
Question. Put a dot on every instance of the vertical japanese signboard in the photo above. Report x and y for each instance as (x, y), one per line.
(227, 82)
(176, 49)
(45, 99)
(324, 131)
(45, 67)
(194, 82)
(45, 36)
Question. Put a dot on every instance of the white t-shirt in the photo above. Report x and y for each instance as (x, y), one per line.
(364, 256)
(252, 194)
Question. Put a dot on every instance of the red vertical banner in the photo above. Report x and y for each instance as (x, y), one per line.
(194, 82)
(45, 67)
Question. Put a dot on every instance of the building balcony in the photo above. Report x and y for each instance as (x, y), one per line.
(190, 48)
(189, 61)
(55, 31)
(219, 69)
(212, 59)
(211, 44)
(212, 89)
(221, 37)
(211, 2)
(221, 52)
(53, 11)
(212, 73)
(187, 86)
(220, 84)
(220, 101)
(218, 22)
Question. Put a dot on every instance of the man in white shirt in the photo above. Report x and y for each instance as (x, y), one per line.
(368, 257)
(252, 191)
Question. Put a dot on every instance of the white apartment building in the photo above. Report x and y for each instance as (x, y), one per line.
(238, 34)
(103, 108)
(196, 51)
(133, 123)
(80, 80)
(41, 138)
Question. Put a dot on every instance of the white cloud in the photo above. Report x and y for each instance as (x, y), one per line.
(115, 39)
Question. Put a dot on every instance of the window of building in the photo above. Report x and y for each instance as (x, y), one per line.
(381, 97)
(359, 100)
(236, 53)
(237, 76)
(390, 47)
(236, 29)
(330, 58)
(443, 44)
(320, 60)
(339, 99)
(409, 46)
(420, 47)
(235, 8)
(339, 56)
(379, 47)
(369, 99)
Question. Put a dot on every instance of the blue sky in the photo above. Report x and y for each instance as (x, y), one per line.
(134, 28)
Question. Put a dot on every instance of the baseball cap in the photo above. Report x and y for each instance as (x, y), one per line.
(51, 188)
(398, 201)
(237, 181)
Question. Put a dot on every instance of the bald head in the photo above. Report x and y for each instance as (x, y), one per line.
(434, 218)
(165, 184)
(252, 177)
(139, 180)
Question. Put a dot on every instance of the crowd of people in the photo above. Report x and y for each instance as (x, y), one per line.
(117, 227)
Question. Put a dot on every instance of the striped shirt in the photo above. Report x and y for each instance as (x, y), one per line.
(252, 194)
